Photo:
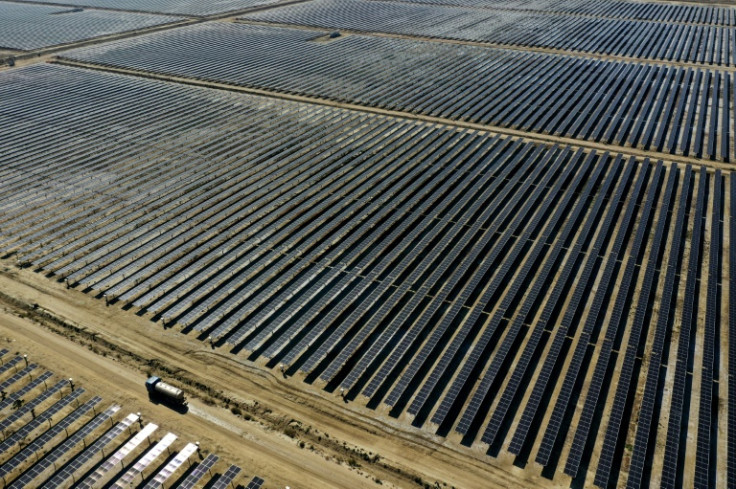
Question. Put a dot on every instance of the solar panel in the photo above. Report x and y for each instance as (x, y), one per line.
(672, 447)
(606, 459)
(37, 421)
(127, 478)
(544, 375)
(61, 450)
(439, 331)
(705, 457)
(17, 376)
(563, 399)
(358, 339)
(45, 28)
(593, 401)
(394, 271)
(226, 478)
(284, 282)
(255, 483)
(25, 389)
(10, 364)
(31, 405)
(39, 443)
(94, 478)
(199, 472)
(498, 281)
(163, 475)
(485, 338)
(86, 455)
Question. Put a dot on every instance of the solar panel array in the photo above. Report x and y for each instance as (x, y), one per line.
(225, 479)
(79, 462)
(126, 480)
(19, 435)
(33, 26)
(470, 282)
(18, 396)
(676, 41)
(568, 306)
(37, 445)
(656, 11)
(63, 450)
(182, 7)
(166, 472)
(606, 101)
(94, 479)
(199, 472)
(255, 483)
(55, 437)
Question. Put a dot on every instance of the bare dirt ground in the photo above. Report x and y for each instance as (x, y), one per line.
(248, 415)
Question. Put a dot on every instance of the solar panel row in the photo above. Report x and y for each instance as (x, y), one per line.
(255, 483)
(10, 364)
(225, 479)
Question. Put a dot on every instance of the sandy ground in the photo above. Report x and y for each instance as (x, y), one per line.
(110, 352)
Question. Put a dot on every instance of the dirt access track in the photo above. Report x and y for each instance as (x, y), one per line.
(278, 428)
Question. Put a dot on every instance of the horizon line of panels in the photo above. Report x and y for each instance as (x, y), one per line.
(31, 26)
(180, 7)
(667, 109)
(55, 434)
(631, 38)
(470, 283)
(651, 11)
